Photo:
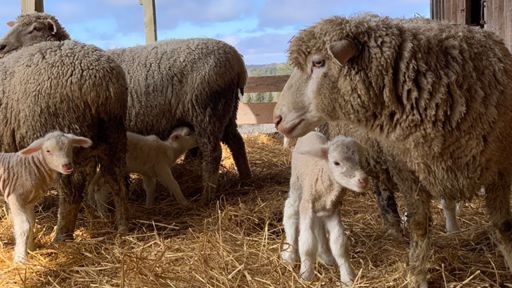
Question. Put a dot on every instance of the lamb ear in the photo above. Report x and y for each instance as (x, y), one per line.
(32, 148)
(11, 23)
(79, 141)
(319, 151)
(343, 50)
(175, 137)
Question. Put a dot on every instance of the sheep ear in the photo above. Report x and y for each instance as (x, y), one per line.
(52, 27)
(343, 50)
(11, 23)
(32, 148)
(79, 141)
(319, 152)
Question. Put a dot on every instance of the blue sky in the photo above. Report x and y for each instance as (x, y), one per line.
(259, 29)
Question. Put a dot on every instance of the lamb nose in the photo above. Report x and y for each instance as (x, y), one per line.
(277, 120)
(67, 166)
(363, 181)
(2, 47)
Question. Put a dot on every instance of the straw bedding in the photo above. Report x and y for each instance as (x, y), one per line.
(235, 241)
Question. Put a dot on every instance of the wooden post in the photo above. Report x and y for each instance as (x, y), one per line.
(30, 6)
(149, 20)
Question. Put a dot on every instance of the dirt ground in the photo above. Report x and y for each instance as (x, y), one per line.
(235, 241)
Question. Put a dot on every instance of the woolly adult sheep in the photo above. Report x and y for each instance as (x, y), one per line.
(172, 83)
(78, 89)
(438, 96)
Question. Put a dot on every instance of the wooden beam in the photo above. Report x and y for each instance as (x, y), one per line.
(149, 20)
(30, 6)
(255, 113)
(266, 84)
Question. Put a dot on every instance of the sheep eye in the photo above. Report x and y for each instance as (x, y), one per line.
(48, 151)
(336, 163)
(318, 63)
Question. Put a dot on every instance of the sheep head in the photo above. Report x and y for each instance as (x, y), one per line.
(30, 29)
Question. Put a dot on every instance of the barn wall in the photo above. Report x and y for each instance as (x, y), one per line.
(497, 15)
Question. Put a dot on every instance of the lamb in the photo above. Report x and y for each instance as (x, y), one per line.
(77, 89)
(153, 158)
(320, 170)
(25, 177)
(437, 97)
(193, 82)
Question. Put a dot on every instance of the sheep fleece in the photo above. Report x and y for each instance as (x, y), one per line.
(176, 84)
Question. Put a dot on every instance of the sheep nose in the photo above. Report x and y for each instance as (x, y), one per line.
(277, 120)
(2, 47)
(363, 181)
(67, 167)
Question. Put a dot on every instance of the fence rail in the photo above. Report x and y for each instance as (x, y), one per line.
(260, 113)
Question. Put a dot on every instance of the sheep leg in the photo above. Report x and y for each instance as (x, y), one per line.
(212, 155)
(291, 226)
(418, 207)
(497, 202)
(307, 242)
(388, 208)
(97, 196)
(324, 251)
(339, 247)
(149, 184)
(450, 215)
(165, 176)
(236, 145)
(115, 183)
(20, 218)
(70, 190)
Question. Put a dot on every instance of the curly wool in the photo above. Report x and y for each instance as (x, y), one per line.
(425, 91)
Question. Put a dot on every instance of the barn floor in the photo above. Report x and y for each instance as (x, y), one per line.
(235, 241)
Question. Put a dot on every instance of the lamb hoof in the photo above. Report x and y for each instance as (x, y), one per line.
(307, 275)
(20, 259)
(327, 260)
(289, 257)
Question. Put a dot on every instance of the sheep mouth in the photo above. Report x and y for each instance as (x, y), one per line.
(289, 129)
(67, 171)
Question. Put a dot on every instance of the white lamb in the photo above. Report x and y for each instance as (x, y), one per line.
(25, 177)
(320, 170)
(152, 158)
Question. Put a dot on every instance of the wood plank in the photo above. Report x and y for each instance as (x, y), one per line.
(30, 6)
(149, 20)
(255, 113)
(266, 84)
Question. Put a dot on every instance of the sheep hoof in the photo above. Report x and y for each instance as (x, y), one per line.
(63, 237)
(327, 260)
(122, 229)
(20, 259)
(289, 257)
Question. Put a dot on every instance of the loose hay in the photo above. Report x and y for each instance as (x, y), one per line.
(235, 242)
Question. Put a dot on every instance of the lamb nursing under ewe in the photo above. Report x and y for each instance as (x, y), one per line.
(320, 171)
(25, 177)
(152, 158)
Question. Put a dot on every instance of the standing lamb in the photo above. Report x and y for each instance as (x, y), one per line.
(152, 158)
(320, 170)
(78, 89)
(172, 83)
(27, 175)
(438, 97)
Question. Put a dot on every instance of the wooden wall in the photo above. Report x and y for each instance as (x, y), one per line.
(498, 18)
(497, 14)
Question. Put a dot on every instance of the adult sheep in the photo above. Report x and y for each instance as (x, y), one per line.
(78, 89)
(425, 93)
(171, 83)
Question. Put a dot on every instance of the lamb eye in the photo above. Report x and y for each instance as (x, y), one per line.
(336, 163)
(48, 151)
(318, 63)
